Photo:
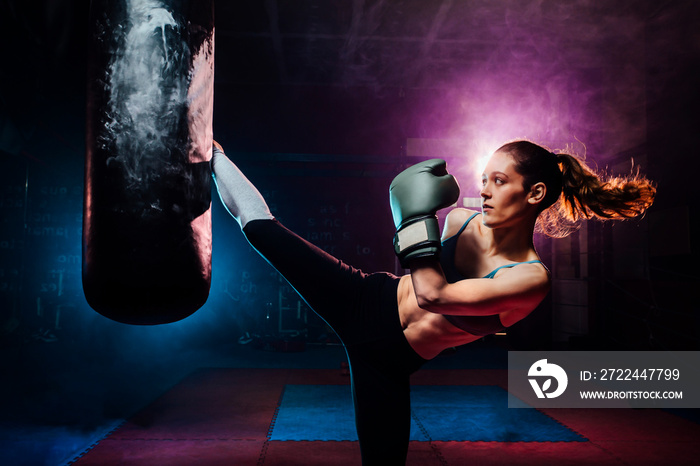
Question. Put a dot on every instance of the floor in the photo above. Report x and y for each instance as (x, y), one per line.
(137, 412)
(247, 417)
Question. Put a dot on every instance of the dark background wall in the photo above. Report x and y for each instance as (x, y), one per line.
(322, 103)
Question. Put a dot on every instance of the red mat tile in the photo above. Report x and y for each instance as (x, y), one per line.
(647, 425)
(173, 453)
(337, 453)
(526, 454)
(228, 404)
(654, 453)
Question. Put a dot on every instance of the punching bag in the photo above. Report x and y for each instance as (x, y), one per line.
(147, 205)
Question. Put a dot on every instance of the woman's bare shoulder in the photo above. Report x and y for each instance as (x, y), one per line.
(455, 219)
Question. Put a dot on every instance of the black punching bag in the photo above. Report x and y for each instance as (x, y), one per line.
(147, 206)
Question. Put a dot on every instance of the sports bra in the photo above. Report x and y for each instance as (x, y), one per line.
(476, 325)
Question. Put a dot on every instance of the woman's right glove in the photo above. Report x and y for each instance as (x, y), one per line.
(415, 195)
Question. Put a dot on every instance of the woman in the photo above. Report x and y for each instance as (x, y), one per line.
(487, 277)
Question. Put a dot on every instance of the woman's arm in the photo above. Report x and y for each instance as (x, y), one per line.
(519, 289)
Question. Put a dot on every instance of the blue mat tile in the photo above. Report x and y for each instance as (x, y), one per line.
(315, 412)
(440, 412)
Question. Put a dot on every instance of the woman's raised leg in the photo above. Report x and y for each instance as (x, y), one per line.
(327, 284)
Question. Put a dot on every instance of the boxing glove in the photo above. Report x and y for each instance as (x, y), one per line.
(415, 196)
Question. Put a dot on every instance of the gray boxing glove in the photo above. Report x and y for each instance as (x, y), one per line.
(415, 196)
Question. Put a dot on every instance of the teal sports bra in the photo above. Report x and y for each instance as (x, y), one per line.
(476, 325)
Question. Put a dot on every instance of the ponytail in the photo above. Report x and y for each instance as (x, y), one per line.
(586, 195)
(575, 192)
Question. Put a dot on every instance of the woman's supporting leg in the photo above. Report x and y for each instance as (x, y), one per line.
(362, 310)
(381, 397)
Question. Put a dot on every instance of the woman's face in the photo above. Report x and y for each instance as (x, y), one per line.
(504, 200)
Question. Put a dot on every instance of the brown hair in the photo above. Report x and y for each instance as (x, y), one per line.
(575, 191)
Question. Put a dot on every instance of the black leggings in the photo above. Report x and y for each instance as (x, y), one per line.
(362, 309)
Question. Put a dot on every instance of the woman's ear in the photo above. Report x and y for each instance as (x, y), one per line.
(537, 193)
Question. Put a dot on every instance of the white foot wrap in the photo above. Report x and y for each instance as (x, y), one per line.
(242, 200)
